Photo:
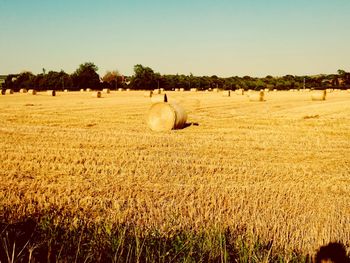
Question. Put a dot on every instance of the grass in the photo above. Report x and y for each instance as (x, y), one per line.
(251, 183)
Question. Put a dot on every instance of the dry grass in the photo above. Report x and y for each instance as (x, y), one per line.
(268, 170)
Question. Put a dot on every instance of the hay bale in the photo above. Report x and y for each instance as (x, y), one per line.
(88, 90)
(182, 89)
(348, 90)
(23, 91)
(256, 96)
(164, 116)
(120, 89)
(193, 90)
(107, 91)
(266, 90)
(239, 91)
(318, 95)
(127, 89)
(65, 90)
(177, 90)
(9, 91)
(274, 90)
(161, 90)
(96, 94)
(82, 90)
(226, 93)
(51, 93)
(156, 91)
(159, 98)
(148, 94)
(32, 92)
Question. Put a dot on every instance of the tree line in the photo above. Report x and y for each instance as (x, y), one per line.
(145, 78)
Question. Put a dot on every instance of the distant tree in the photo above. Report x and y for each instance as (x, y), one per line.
(113, 79)
(86, 76)
(144, 78)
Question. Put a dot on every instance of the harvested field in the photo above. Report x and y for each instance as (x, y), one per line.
(273, 173)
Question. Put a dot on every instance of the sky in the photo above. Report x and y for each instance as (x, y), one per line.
(202, 37)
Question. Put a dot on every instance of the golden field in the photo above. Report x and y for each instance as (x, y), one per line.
(276, 171)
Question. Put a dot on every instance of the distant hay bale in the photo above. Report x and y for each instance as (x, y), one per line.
(159, 98)
(23, 91)
(82, 90)
(193, 90)
(266, 90)
(107, 91)
(176, 89)
(51, 93)
(239, 91)
(120, 89)
(318, 95)
(307, 90)
(65, 90)
(256, 96)
(226, 93)
(88, 90)
(161, 90)
(32, 92)
(127, 89)
(274, 90)
(156, 91)
(348, 90)
(96, 94)
(164, 116)
(9, 91)
(148, 94)
(182, 89)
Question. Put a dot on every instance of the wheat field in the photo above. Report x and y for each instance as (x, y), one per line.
(276, 171)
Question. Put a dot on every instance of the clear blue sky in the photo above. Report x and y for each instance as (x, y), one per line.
(226, 38)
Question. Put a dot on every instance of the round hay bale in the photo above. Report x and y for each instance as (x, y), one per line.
(82, 90)
(256, 96)
(65, 90)
(96, 94)
(9, 91)
(127, 89)
(88, 90)
(159, 98)
(148, 94)
(23, 91)
(51, 93)
(107, 91)
(32, 92)
(266, 90)
(193, 89)
(164, 116)
(226, 93)
(274, 90)
(239, 91)
(182, 89)
(161, 90)
(177, 90)
(120, 89)
(318, 95)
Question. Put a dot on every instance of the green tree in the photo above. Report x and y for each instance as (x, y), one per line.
(86, 76)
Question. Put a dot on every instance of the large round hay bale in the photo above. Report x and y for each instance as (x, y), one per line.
(127, 89)
(161, 90)
(164, 116)
(9, 91)
(96, 94)
(88, 90)
(107, 91)
(266, 90)
(193, 89)
(23, 91)
(177, 90)
(32, 92)
(274, 90)
(65, 90)
(159, 98)
(51, 92)
(256, 96)
(148, 94)
(182, 89)
(82, 90)
(120, 89)
(226, 93)
(319, 95)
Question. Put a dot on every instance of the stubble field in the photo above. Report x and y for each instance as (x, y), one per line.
(275, 173)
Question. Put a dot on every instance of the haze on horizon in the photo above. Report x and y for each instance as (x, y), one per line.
(224, 38)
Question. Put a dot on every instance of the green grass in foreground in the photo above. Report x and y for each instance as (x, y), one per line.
(31, 241)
